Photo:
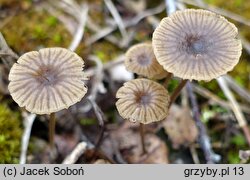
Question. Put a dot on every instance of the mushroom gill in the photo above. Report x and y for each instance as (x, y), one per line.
(47, 80)
(196, 44)
(142, 100)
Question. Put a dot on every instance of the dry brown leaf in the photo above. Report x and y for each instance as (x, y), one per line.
(129, 144)
(180, 126)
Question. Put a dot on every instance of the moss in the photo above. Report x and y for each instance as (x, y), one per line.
(237, 6)
(15, 3)
(233, 157)
(105, 50)
(30, 30)
(241, 72)
(10, 135)
(88, 121)
(242, 8)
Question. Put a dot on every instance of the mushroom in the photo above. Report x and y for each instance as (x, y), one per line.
(196, 45)
(140, 59)
(47, 81)
(144, 101)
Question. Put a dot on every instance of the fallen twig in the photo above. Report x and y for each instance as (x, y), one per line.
(194, 154)
(235, 108)
(238, 89)
(80, 30)
(132, 22)
(171, 6)
(223, 12)
(28, 122)
(76, 153)
(203, 138)
(215, 99)
(118, 60)
(97, 84)
(117, 18)
(245, 44)
(101, 119)
(7, 55)
(68, 21)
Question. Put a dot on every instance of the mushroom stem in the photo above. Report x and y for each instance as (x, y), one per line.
(177, 91)
(52, 125)
(144, 151)
(167, 79)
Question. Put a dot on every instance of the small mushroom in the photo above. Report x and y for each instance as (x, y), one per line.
(142, 100)
(140, 59)
(196, 44)
(47, 81)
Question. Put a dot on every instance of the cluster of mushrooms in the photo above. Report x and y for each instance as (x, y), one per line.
(189, 44)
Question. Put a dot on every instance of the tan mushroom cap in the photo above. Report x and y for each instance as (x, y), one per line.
(142, 100)
(196, 44)
(140, 59)
(47, 80)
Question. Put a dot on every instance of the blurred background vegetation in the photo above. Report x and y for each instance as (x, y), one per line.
(30, 25)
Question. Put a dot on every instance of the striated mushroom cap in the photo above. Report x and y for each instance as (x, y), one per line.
(196, 44)
(140, 59)
(47, 80)
(142, 100)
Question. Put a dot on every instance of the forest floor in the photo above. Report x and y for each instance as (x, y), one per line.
(92, 131)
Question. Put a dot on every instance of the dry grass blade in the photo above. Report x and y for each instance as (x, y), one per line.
(245, 44)
(117, 18)
(238, 89)
(204, 139)
(76, 153)
(7, 55)
(28, 122)
(171, 6)
(223, 12)
(117, 61)
(80, 30)
(97, 84)
(217, 100)
(235, 108)
(99, 35)
(132, 22)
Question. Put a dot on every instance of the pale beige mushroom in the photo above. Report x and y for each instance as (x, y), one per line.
(196, 44)
(140, 59)
(142, 100)
(47, 80)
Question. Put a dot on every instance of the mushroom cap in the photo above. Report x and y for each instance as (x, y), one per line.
(140, 59)
(47, 80)
(196, 44)
(142, 100)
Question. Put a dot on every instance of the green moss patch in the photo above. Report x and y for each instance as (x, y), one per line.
(10, 135)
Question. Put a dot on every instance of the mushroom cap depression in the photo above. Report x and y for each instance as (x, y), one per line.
(47, 80)
(196, 44)
(140, 59)
(142, 100)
